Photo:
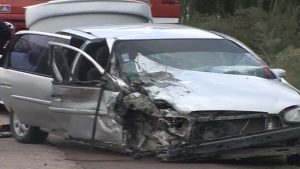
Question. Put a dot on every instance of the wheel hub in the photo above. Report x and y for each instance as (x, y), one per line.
(19, 128)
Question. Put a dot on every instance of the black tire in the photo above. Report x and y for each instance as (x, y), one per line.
(29, 135)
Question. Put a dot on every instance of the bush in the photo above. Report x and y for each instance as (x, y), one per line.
(289, 60)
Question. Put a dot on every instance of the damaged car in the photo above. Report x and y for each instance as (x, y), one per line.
(170, 91)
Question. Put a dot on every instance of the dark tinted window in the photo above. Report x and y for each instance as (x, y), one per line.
(63, 59)
(86, 71)
(30, 53)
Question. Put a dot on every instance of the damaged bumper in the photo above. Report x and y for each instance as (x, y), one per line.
(213, 148)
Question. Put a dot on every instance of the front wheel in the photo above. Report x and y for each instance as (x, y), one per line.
(24, 133)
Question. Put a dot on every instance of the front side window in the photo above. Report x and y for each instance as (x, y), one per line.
(30, 54)
(85, 70)
(72, 65)
(201, 55)
(63, 59)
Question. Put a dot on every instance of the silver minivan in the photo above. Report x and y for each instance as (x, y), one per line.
(171, 91)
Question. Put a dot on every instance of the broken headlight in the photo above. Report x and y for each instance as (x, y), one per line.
(292, 115)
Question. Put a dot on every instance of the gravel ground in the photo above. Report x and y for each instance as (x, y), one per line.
(14, 155)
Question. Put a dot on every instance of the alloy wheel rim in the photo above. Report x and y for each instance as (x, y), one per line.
(19, 128)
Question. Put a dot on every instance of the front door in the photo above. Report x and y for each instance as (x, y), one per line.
(75, 94)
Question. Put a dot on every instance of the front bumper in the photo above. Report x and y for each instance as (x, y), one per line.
(204, 150)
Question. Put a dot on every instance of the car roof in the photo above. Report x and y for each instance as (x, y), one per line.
(143, 31)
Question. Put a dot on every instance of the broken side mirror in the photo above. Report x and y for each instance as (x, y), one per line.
(107, 83)
(280, 73)
(114, 83)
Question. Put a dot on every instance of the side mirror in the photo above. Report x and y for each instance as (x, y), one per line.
(121, 84)
(279, 72)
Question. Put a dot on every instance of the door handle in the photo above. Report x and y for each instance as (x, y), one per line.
(55, 95)
(5, 84)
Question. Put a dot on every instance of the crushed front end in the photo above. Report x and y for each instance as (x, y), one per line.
(219, 135)
(208, 135)
(179, 108)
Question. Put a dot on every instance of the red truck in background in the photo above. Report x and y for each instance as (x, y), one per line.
(163, 11)
(13, 11)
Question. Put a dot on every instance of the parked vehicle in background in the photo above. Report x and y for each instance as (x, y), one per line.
(13, 11)
(165, 11)
(47, 18)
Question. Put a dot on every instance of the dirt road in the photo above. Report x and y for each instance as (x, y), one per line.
(58, 153)
(20, 156)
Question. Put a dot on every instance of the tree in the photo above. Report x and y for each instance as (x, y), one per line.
(188, 8)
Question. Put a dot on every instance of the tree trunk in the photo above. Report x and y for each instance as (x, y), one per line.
(186, 10)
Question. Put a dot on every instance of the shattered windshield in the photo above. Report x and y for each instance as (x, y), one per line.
(138, 57)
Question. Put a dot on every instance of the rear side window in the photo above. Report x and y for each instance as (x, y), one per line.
(30, 54)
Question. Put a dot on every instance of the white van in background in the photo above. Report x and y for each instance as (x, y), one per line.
(62, 14)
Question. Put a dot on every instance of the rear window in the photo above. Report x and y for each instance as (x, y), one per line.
(30, 54)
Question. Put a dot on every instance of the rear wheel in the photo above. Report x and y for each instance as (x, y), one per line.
(24, 133)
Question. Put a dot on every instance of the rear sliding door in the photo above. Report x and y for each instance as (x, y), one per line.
(26, 81)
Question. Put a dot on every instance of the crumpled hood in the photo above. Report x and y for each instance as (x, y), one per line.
(189, 91)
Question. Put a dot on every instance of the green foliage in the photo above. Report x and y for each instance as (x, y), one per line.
(240, 26)
(289, 60)
(270, 27)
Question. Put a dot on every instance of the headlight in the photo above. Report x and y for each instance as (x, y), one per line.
(292, 115)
